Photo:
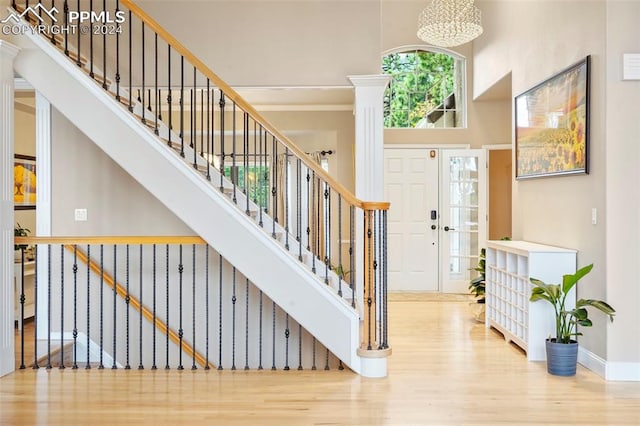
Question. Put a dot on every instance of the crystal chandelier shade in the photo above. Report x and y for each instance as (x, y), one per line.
(448, 23)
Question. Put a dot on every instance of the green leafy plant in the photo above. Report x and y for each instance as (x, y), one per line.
(567, 321)
(19, 231)
(478, 284)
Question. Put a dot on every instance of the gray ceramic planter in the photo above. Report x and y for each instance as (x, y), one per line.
(562, 358)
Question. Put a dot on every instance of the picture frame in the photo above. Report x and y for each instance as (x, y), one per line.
(552, 125)
(24, 182)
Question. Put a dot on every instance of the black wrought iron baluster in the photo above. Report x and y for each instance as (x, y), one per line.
(182, 106)
(260, 179)
(127, 301)
(313, 354)
(101, 365)
(308, 230)
(256, 171)
(315, 222)
(166, 348)
(144, 63)
(378, 269)
(140, 365)
(206, 307)
(274, 186)
(287, 333)
(48, 306)
(234, 154)
(209, 132)
(156, 91)
(285, 219)
(267, 172)
(194, 112)
(104, 50)
(75, 307)
(202, 110)
(169, 97)
(260, 333)
(273, 334)
(326, 360)
(88, 365)
(117, 53)
(352, 272)
(341, 271)
(22, 301)
(299, 207)
(65, 9)
(130, 59)
(91, 74)
(180, 330)
(193, 308)
(79, 51)
(300, 348)
(368, 283)
(222, 153)
(153, 309)
(62, 366)
(245, 188)
(233, 321)
(317, 183)
(327, 232)
(385, 341)
(52, 35)
(115, 299)
(35, 309)
(220, 314)
(246, 325)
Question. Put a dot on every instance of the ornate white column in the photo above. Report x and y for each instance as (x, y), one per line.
(369, 135)
(369, 173)
(7, 54)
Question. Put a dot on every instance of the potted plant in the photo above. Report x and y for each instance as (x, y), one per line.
(562, 351)
(19, 231)
(477, 287)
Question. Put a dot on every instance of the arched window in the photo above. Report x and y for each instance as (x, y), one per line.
(426, 88)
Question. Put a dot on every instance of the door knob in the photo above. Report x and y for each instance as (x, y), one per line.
(446, 228)
(433, 227)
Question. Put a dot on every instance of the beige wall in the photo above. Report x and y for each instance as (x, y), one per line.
(500, 172)
(486, 122)
(277, 43)
(557, 210)
(25, 143)
(622, 183)
(85, 177)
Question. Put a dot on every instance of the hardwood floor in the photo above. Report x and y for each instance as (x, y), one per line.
(445, 369)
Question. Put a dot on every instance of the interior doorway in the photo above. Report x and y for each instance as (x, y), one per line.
(499, 161)
(437, 219)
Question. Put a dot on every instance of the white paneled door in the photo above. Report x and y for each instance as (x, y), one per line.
(437, 219)
(411, 185)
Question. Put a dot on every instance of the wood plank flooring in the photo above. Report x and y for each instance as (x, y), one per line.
(445, 369)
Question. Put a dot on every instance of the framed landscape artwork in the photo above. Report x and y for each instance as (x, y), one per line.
(24, 182)
(552, 125)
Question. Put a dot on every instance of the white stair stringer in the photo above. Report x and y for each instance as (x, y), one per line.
(188, 194)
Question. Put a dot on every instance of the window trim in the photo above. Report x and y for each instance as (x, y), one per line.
(463, 73)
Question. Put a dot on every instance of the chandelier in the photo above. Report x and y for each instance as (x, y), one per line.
(448, 23)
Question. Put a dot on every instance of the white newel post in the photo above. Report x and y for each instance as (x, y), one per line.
(369, 125)
(7, 358)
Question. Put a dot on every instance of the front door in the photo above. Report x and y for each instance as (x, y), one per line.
(463, 220)
(411, 185)
(436, 223)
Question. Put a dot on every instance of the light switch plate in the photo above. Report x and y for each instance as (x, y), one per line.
(80, 215)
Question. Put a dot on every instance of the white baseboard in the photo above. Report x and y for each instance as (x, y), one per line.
(612, 371)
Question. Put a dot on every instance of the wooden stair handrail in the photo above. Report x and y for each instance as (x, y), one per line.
(243, 104)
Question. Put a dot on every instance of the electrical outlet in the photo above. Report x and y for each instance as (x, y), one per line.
(594, 216)
(81, 215)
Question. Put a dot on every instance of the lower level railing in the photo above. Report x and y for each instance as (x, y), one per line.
(141, 302)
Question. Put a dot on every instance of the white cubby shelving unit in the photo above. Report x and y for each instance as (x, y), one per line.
(509, 265)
